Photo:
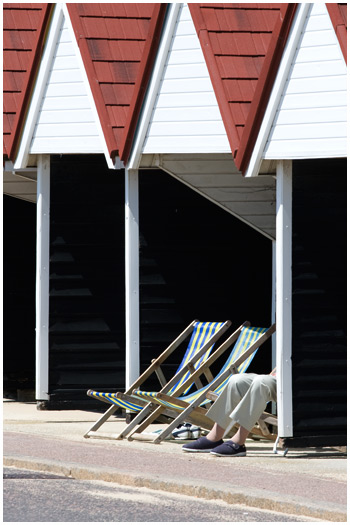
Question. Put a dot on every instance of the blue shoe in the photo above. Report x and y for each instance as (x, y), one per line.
(229, 448)
(201, 445)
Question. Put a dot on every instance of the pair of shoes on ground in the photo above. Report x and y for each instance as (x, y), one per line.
(218, 448)
(186, 431)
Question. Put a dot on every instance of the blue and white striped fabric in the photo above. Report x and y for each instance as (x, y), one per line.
(202, 332)
(247, 337)
(112, 398)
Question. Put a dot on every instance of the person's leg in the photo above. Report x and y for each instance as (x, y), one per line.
(233, 392)
(253, 403)
(218, 433)
(247, 413)
(240, 436)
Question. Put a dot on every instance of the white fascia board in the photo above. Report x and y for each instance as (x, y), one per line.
(109, 161)
(118, 164)
(39, 88)
(8, 166)
(310, 155)
(60, 12)
(152, 91)
(277, 90)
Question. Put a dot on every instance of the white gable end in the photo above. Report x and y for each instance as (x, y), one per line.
(66, 121)
(311, 118)
(186, 117)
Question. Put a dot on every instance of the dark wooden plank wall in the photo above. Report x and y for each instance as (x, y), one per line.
(86, 278)
(196, 261)
(319, 302)
(19, 242)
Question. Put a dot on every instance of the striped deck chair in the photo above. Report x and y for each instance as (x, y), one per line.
(190, 407)
(204, 335)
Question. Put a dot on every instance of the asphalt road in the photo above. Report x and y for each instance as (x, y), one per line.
(31, 496)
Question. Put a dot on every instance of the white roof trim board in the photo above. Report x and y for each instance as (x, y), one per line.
(135, 156)
(181, 114)
(311, 118)
(306, 114)
(186, 116)
(312, 69)
(62, 116)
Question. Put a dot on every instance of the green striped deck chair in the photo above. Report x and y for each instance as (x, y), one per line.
(238, 361)
(204, 335)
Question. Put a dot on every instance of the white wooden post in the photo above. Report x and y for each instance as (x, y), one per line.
(273, 315)
(132, 306)
(42, 278)
(284, 297)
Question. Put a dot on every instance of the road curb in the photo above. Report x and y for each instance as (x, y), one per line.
(210, 491)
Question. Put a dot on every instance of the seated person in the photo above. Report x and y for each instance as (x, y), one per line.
(242, 401)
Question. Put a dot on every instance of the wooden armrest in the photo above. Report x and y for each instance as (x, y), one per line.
(211, 395)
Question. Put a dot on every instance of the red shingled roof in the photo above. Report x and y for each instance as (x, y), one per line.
(338, 14)
(23, 31)
(118, 43)
(242, 46)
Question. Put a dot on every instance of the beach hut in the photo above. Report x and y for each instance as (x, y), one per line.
(189, 160)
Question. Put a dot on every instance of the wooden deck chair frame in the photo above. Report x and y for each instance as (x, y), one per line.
(193, 410)
(155, 368)
(152, 411)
